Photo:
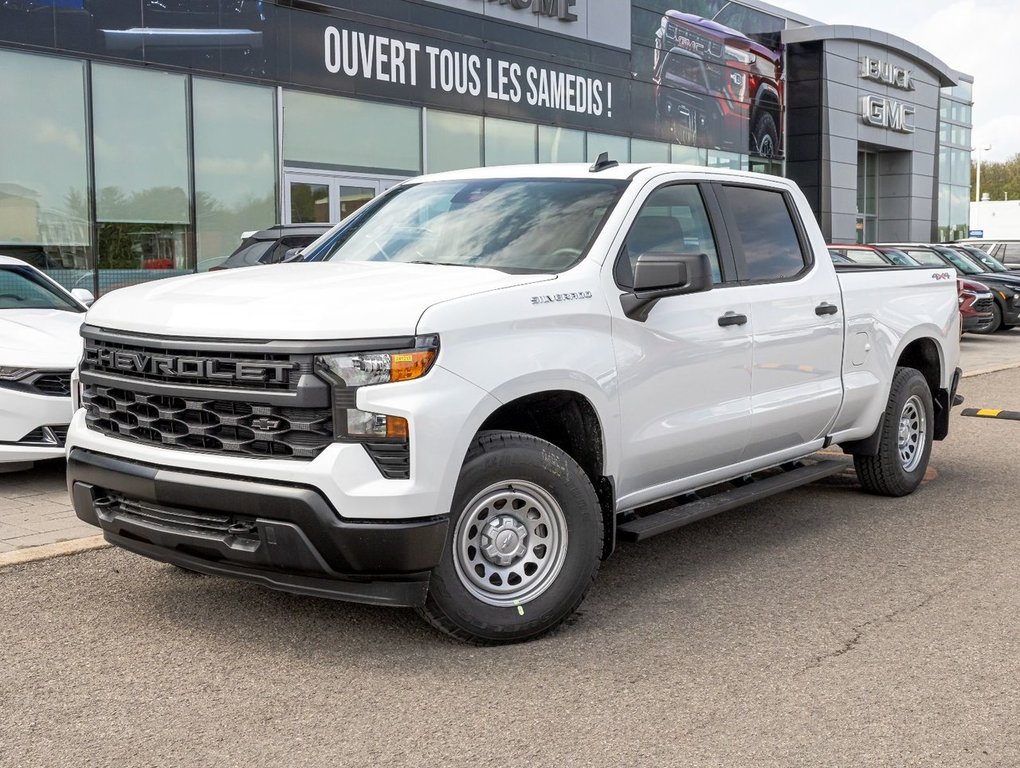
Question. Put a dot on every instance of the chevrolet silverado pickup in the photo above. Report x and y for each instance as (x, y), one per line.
(469, 393)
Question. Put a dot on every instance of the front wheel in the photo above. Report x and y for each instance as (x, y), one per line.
(524, 542)
(905, 446)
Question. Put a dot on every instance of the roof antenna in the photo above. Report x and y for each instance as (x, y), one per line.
(603, 163)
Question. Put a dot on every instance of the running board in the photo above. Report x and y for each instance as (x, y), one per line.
(643, 528)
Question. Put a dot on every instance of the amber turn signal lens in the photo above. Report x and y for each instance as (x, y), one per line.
(396, 428)
(411, 365)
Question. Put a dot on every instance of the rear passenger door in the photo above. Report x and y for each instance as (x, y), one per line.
(795, 320)
(684, 376)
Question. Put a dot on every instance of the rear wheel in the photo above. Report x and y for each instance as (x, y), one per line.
(524, 542)
(905, 446)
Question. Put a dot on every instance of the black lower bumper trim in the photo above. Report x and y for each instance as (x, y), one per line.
(391, 593)
(287, 537)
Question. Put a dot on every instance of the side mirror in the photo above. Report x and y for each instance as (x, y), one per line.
(83, 295)
(291, 254)
(658, 275)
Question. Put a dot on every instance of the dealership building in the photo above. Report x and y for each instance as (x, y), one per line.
(142, 138)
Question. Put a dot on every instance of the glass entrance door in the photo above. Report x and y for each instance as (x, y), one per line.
(311, 197)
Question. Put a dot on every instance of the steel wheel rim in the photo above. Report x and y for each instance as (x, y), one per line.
(510, 543)
(912, 433)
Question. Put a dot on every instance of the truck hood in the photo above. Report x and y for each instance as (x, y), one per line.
(40, 338)
(303, 301)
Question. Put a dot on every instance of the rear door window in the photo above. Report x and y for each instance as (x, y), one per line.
(766, 235)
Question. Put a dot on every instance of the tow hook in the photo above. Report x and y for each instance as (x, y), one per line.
(242, 528)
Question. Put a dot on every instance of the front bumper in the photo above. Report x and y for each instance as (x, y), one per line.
(22, 416)
(975, 323)
(283, 536)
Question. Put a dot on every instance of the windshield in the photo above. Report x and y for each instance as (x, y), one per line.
(925, 257)
(21, 288)
(991, 263)
(515, 225)
(898, 257)
(962, 263)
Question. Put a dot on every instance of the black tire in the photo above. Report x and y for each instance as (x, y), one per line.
(901, 462)
(765, 135)
(515, 467)
(996, 323)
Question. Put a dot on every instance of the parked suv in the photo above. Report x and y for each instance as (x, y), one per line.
(710, 80)
(1006, 251)
(273, 245)
(1005, 286)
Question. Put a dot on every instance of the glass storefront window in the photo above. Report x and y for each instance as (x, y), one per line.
(960, 174)
(960, 135)
(944, 129)
(618, 147)
(235, 165)
(43, 166)
(508, 142)
(642, 151)
(867, 197)
(734, 160)
(141, 158)
(681, 153)
(560, 145)
(454, 141)
(350, 133)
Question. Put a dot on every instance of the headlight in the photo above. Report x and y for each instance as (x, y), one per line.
(13, 374)
(347, 371)
(359, 369)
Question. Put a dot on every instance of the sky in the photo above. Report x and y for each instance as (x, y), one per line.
(978, 37)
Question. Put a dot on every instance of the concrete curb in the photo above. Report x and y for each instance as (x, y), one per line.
(48, 551)
(992, 369)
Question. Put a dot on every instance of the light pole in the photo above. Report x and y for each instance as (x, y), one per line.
(979, 150)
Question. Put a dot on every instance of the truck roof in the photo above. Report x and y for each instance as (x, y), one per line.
(583, 171)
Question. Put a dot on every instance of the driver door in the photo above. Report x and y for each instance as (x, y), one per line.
(684, 372)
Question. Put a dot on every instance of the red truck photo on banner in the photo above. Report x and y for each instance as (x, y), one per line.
(717, 71)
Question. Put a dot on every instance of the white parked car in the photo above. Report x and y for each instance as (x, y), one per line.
(39, 346)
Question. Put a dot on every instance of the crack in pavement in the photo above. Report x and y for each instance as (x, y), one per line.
(858, 630)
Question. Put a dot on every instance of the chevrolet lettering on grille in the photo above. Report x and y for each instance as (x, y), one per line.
(242, 371)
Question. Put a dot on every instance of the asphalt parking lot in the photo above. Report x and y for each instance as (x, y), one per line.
(820, 627)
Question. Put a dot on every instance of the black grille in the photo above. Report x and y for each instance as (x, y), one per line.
(249, 370)
(392, 459)
(180, 519)
(984, 305)
(204, 424)
(56, 384)
(700, 45)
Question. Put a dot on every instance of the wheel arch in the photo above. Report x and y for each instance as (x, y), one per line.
(568, 419)
(924, 354)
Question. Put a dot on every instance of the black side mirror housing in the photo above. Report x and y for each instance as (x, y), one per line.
(658, 275)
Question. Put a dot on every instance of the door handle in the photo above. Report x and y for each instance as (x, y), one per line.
(732, 318)
(825, 308)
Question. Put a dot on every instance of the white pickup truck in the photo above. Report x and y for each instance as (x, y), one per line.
(488, 377)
